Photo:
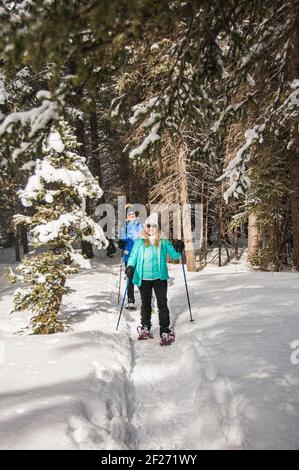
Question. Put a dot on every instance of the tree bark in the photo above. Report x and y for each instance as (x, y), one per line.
(236, 243)
(186, 213)
(24, 240)
(294, 180)
(17, 246)
(187, 231)
(206, 226)
(219, 235)
(205, 208)
(95, 163)
(294, 159)
(86, 247)
(254, 237)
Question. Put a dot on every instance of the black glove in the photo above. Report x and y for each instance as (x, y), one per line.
(121, 244)
(129, 272)
(179, 246)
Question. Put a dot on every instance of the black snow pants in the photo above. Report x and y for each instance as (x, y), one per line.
(131, 297)
(160, 289)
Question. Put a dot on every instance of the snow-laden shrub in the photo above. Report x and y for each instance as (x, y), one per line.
(55, 194)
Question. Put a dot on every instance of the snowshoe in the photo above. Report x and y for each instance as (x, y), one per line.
(144, 333)
(130, 305)
(167, 339)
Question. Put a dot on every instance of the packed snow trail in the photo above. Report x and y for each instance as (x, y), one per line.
(178, 395)
(226, 383)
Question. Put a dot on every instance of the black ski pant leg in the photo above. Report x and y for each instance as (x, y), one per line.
(130, 293)
(131, 297)
(160, 288)
(146, 303)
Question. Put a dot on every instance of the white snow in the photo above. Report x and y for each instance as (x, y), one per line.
(79, 259)
(28, 165)
(152, 137)
(235, 170)
(81, 179)
(33, 187)
(155, 47)
(51, 230)
(115, 105)
(43, 233)
(3, 93)
(54, 142)
(51, 174)
(19, 151)
(228, 382)
(295, 84)
(142, 109)
(49, 197)
(37, 118)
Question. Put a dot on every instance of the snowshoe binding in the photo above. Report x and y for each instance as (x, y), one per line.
(144, 333)
(167, 339)
(130, 305)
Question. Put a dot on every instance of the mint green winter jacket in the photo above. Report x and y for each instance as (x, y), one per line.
(136, 259)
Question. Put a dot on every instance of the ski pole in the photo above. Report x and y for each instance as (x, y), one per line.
(122, 304)
(186, 285)
(119, 284)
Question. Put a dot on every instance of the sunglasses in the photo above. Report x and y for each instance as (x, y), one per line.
(153, 226)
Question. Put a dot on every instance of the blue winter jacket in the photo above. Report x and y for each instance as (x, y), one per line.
(137, 259)
(129, 232)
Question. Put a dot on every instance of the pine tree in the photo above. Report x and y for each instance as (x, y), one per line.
(56, 194)
(185, 74)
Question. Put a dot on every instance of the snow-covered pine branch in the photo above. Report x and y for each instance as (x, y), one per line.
(37, 118)
(235, 172)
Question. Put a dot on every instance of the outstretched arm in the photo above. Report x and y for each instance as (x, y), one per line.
(171, 251)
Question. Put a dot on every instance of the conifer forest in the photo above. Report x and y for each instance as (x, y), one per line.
(149, 190)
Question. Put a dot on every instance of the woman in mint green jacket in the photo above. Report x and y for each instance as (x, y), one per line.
(147, 267)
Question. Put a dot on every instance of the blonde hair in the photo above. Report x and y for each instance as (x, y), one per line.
(147, 242)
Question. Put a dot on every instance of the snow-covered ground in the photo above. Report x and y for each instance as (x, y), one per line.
(226, 383)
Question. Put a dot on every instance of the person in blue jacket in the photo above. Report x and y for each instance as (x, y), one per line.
(129, 233)
(147, 268)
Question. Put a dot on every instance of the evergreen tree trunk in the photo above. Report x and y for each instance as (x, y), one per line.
(187, 231)
(17, 246)
(186, 214)
(236, 244)
(206, 225)
(205, 208)
(24, 240)
(254, 237)
(294, 180)
(220, 227)
(294, 159)
(95, 163)
(86, 247)
(219, 241)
